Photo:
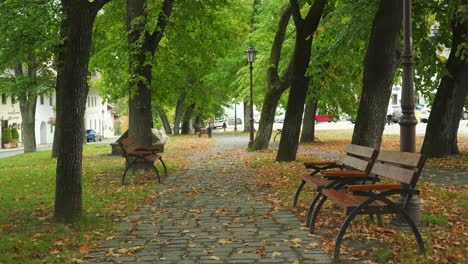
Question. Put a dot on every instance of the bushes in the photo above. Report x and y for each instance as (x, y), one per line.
(14, 133)
(6, 136)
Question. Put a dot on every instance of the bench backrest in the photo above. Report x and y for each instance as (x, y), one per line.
(359, 157)
(128, 144)
(404, 167)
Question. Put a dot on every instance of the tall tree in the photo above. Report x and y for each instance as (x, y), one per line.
(76, 32)
(26, 49)
(305, 27)
(276, 84)
(441, 132)
(308, 123)
(143, 44)
(381, 60)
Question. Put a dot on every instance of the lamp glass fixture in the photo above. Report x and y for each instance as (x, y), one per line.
(251, 54)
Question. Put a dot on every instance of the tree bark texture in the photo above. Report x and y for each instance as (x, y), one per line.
(276, 85)
(142, 43)
(246, 115)
(380, 62)
(179, 111)
(72, 75)
(164, 120)
(27, 103)
(308, 123)
(299, 81)
(186, 124)
(442, 128)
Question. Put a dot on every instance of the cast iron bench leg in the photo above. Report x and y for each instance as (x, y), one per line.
(164, 165)
(315, 214)
(298, 192)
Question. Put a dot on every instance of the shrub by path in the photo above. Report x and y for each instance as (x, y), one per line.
(210, 213)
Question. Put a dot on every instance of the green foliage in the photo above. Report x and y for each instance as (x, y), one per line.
(6, 136)
(436, 219)
(14, 133)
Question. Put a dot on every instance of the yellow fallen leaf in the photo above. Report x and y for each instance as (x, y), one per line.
(214, 258)
(276, 254)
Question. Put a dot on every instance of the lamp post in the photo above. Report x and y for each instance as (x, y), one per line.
(408, 120)
(251, 52)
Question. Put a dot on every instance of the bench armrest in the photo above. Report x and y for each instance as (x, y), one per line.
(150, 148)
(374, 187)
(344, 174)
(314, 164)
(139, 153)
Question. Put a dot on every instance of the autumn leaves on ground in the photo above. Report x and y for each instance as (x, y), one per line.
(27, 182)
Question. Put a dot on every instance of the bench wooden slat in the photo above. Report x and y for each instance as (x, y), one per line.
(312, 164)
(359, 150)
(401, 158)
(400, 174)
(316, 182)
(356, 163)
(344, 173)
(374, 187)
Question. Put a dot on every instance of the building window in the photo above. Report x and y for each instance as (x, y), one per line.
(4, 98)
(90, 124)
(51, 128)
(13, 100)
(51, 101)
(88, 101)
(41, 99)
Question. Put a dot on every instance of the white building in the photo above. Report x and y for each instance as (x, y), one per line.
(98, 116)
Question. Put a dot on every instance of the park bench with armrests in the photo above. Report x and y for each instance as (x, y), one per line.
(201, 130)
(353, 168)
(401, 169)
(140, 156)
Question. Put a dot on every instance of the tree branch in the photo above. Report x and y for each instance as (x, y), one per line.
(163, 19)
(98, 4)
(279, 39)
(313, 17)
(296, 12)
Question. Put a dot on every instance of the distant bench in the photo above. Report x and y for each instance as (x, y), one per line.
(201, 130)
(278, 132)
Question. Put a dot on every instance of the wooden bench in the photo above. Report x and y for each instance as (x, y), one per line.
(201, 130)
(402, 169)
(140, 156)
(278, 132)
(357, 161)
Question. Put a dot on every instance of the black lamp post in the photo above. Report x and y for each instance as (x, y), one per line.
(408, 120)
(251, 52)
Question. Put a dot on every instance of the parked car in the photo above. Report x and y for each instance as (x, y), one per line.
(92, 135)
(465, 113)
(218, 122)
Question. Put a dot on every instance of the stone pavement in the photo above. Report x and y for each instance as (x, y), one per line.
(209, 213)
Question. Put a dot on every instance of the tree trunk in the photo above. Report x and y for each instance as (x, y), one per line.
(178, 113)
(299, 81)
(186, 125)
(27, 105)
(142, 47)
(442, 128)
(140, 114)
(77, 27)
(381, 60)
(265, 126)
(246, 115)
(164, 120)
(276, 85)
(308, 123)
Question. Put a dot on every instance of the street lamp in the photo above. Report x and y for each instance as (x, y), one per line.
(251, 52)
(408, 120)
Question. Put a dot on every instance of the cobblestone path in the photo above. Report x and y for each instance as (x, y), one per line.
(209, 213)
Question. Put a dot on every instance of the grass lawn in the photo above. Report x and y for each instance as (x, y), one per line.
(27, 190)
(444, 209)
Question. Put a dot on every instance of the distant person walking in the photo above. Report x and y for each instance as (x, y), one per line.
(389, 114)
